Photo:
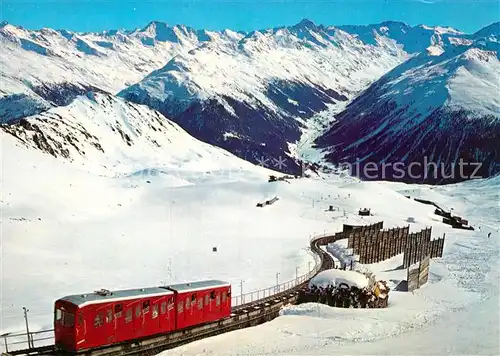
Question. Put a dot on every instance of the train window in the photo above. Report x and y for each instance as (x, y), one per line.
(109, 315)
(224, 297)
(137, 311)
(80, 319)
(193, 297)
(145, 307)
(68, 319)
(170, 304)
(163, 307)
(128, 316)
(179, 307)
(200, 303)
(58, 314)
(217, 300)
(118, 310)
(212, 294)
(188, 303)
(155, 311)
(207, 299)
(98, 321)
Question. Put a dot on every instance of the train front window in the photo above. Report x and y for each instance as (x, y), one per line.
(68, 320)
(58, 314)
(64, 318)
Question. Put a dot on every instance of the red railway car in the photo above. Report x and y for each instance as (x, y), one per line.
(201, 302)
(87, 321)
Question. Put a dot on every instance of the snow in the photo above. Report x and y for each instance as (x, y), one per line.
(462, 290)
(435, 50)
(335, 277)
(61, 236)
(94, 131)
(147, 210)
(476, 84)
(81, 57)
(243, 70)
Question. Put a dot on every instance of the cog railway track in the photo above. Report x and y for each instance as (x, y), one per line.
(242, 316)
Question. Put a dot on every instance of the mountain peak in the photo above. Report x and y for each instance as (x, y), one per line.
(393, 23)
(305, 23)
(154, 25)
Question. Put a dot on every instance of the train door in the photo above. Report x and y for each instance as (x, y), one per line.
(199, 307)
(153, 323)
(170, 317)
(103, 330)
(123, 322)
(138, 319)
(213, 306)
(109, 324)
(180, 319)
(226, 301)
(81, 330)
(218, 306)
(189, 315)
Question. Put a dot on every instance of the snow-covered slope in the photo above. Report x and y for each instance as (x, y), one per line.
(66, 230)
(104, 132)
(455, 313)
(40, 69)
(440, 106)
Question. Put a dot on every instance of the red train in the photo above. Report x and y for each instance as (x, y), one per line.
(87, 321)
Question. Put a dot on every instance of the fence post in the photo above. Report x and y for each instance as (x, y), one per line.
(5, 341)
(27, 328)
(241, 290)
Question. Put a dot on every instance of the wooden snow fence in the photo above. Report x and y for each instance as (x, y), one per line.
(373, 244)
(420, 246)
(418, 274)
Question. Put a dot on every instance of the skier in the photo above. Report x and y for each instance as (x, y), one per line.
(489, 234)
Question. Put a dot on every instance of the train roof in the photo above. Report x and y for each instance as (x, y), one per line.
(194, 286)
(125, 294)
(111, 296)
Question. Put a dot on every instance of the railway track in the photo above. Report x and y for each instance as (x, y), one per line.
(242, 316)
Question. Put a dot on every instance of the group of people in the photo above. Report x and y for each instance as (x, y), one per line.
(340, 296)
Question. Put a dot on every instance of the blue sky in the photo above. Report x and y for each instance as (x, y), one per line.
(98, 15)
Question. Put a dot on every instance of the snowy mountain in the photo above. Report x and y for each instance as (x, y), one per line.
(47, 68)
(253, 94)
(413, 39)
(440, 106)
(104, 133)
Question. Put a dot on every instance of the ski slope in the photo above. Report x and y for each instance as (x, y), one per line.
(68, 228)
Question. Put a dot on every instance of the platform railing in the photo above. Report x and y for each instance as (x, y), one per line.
(21, 341)
(37, 339)
(256, 295)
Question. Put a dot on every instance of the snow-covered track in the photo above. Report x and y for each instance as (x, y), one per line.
(242, 316)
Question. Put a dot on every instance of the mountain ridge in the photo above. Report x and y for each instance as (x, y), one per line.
(251, 93)
(443, 107)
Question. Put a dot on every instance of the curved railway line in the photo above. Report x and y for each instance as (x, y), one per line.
(242, 316)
